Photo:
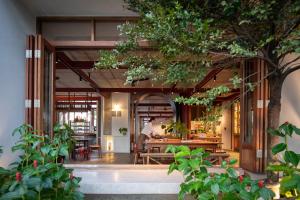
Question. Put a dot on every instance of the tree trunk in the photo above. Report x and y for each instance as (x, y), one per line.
(275, 85)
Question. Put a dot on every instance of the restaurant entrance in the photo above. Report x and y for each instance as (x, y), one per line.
(63, 86)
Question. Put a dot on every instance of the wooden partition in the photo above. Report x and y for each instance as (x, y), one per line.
(40, 84)
(253, 116)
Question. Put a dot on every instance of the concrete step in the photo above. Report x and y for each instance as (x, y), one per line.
(129, 179)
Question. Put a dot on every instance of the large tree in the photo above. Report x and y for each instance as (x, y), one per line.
(189, 37)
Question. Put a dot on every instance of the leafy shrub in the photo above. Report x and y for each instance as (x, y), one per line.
(203, 185)
(290, 182)
(39, 174)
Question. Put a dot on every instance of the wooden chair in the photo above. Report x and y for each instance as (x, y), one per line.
(97, 147)
(138, 149)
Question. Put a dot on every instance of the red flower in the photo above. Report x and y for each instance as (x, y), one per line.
(212, 174)
(18, 176)
(71, 176)
(35, 164)
(260, 184)
(241, 178)
(286, 123)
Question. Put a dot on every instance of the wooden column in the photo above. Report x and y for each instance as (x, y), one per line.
(185, 115)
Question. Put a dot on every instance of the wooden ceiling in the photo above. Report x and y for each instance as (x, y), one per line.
(115, 78)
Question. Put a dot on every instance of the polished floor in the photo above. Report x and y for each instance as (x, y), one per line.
(107, 158)
(126, 158)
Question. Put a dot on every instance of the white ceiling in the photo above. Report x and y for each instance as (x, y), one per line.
(77, 7)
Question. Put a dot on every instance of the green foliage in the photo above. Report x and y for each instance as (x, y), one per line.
(123, 131)
(207, 99)
(191, 37)
(39, 174)
(290, 182)
(178, 129)
(202, 184)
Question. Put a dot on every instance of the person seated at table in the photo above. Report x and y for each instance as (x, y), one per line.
(146, 134)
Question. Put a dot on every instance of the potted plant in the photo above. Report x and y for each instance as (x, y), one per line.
(288, 165)
(123, 131)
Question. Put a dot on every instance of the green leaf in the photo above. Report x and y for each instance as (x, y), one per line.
(278, 168)
(215, 188)
(232, 161)
(291, 157)
(296, 130)
(63, 151)
(275, 132)
(172, 167)
(170, 149)
(45, 149)
(204, 196)
(232, 173)
(278, 148)
(11, 195)
(194, 163)
(266, 194)
(224, 164)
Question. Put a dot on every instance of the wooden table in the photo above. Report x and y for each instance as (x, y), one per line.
(190, 143)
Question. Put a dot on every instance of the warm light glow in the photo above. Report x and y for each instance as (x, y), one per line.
(116, 108)
(109, 143)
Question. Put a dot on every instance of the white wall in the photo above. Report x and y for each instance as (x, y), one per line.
(290, 105)
(15, 24)
(119, 142)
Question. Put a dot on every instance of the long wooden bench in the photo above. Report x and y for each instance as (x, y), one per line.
(214, 158)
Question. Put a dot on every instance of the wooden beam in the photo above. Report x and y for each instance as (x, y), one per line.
(130, 90)
(72, 109)
(153, 104)
(76, 65)
(69, 63)
(75, 103)
(155, 112)
(87, 45)
(208, 77)
(76, 98)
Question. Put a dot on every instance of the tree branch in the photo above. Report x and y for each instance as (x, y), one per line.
(288, 31)
(288, 63)
(290, 70)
